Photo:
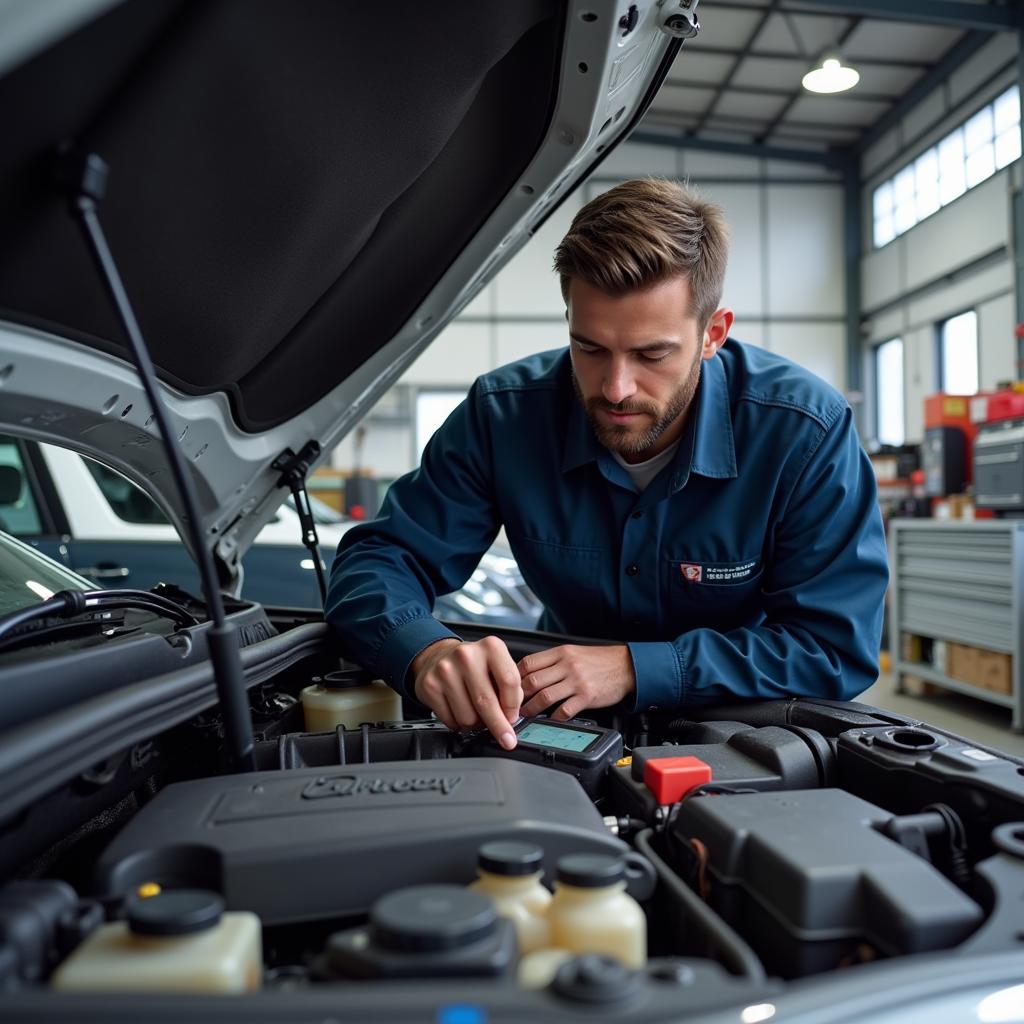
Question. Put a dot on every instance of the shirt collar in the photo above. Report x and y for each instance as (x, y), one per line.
(714, 450)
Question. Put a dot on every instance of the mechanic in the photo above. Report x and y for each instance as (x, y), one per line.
(703, 507)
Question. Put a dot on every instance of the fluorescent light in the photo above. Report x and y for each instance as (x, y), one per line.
(832, 76)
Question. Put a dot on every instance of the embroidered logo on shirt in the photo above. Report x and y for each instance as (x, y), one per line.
(735, 572)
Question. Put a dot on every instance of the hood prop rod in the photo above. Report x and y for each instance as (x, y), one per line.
(83, 178)
(294, 469)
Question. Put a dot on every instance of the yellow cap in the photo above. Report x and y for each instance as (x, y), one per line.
(623, 762)
(148, 889)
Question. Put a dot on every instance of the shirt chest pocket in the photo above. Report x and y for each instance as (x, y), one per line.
(717, 594)
(554, 570)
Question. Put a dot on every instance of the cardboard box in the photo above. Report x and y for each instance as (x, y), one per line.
(963, 663)
(988, 670)
(994, 672)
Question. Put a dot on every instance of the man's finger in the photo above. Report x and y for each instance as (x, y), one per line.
(485, 701)
(508, 684)
(542, 659)
(547, 697)
(569, 708)
(539, 680)
(443, 712)
(460, 700)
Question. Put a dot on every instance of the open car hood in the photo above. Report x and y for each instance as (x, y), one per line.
(300, 198)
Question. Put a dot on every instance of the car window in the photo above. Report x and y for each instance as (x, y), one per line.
(127, 501)
(27, 576)
(19, 513)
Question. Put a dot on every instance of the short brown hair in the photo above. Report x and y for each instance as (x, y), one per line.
(641, 233)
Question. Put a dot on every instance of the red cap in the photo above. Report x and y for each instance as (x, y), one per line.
(671, 778)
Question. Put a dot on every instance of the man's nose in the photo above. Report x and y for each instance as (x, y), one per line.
(618, 384)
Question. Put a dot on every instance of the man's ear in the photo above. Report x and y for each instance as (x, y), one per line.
(716, 331)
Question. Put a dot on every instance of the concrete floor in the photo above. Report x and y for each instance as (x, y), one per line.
(973, 719)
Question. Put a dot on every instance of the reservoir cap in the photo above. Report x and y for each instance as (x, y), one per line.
(590, 870)
(510, 858)
(174, 912)
(432, 918)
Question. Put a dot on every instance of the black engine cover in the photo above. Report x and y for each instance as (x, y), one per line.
(310, 844)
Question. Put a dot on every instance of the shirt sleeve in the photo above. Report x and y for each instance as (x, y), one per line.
(433, 526)
(823, 594)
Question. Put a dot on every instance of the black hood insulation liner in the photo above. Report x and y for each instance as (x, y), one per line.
(228, 126)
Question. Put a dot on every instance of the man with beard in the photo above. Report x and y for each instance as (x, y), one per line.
(702, 507)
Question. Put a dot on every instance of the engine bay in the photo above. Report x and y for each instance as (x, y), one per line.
(765, 843)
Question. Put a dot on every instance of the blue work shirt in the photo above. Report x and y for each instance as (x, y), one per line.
(753, 565)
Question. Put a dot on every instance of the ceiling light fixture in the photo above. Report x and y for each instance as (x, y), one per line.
(831, 76)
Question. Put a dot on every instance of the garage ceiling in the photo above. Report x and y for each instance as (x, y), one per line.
(739, 79)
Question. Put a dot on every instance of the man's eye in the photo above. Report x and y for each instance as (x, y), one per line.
(653, 357)
(587, 350)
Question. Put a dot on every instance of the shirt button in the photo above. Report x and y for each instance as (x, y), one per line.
(632, 570)
(638, 515)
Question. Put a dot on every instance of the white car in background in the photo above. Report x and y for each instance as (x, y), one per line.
(100, 525)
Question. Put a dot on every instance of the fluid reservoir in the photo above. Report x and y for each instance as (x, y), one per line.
(592, 913)
(177, 941)
(510, 874)
(348, 697)
(538, 969)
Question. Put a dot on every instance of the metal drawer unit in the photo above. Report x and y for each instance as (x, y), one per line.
(959, 582)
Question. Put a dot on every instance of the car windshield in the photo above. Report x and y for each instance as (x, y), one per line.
(28, 577)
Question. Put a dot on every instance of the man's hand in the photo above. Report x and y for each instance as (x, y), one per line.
(469, 685)
(582, 677)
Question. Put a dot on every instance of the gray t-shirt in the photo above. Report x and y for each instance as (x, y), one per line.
(642, 473)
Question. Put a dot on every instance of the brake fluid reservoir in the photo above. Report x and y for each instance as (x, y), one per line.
(510, 874)
(349, 698)
(592, 913)
(177, 941)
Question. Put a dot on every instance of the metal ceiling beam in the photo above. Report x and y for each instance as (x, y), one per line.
(756, 90)
(982, 17)
(958, 55)
(848, 136)
(726, 51)
(795, 97)
(724, 84)
(754, 123)
(852, 255)
(827, 158)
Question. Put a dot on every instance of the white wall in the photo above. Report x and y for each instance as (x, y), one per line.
(957, 259)
(784, 281)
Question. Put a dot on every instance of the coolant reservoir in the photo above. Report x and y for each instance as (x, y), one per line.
(510, 874)
(349, 698)
(177, 941)
(538, 969)
(592, 913)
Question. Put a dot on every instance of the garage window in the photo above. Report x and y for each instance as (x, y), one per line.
(889, 423)
(958, 354)
(986, 142)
